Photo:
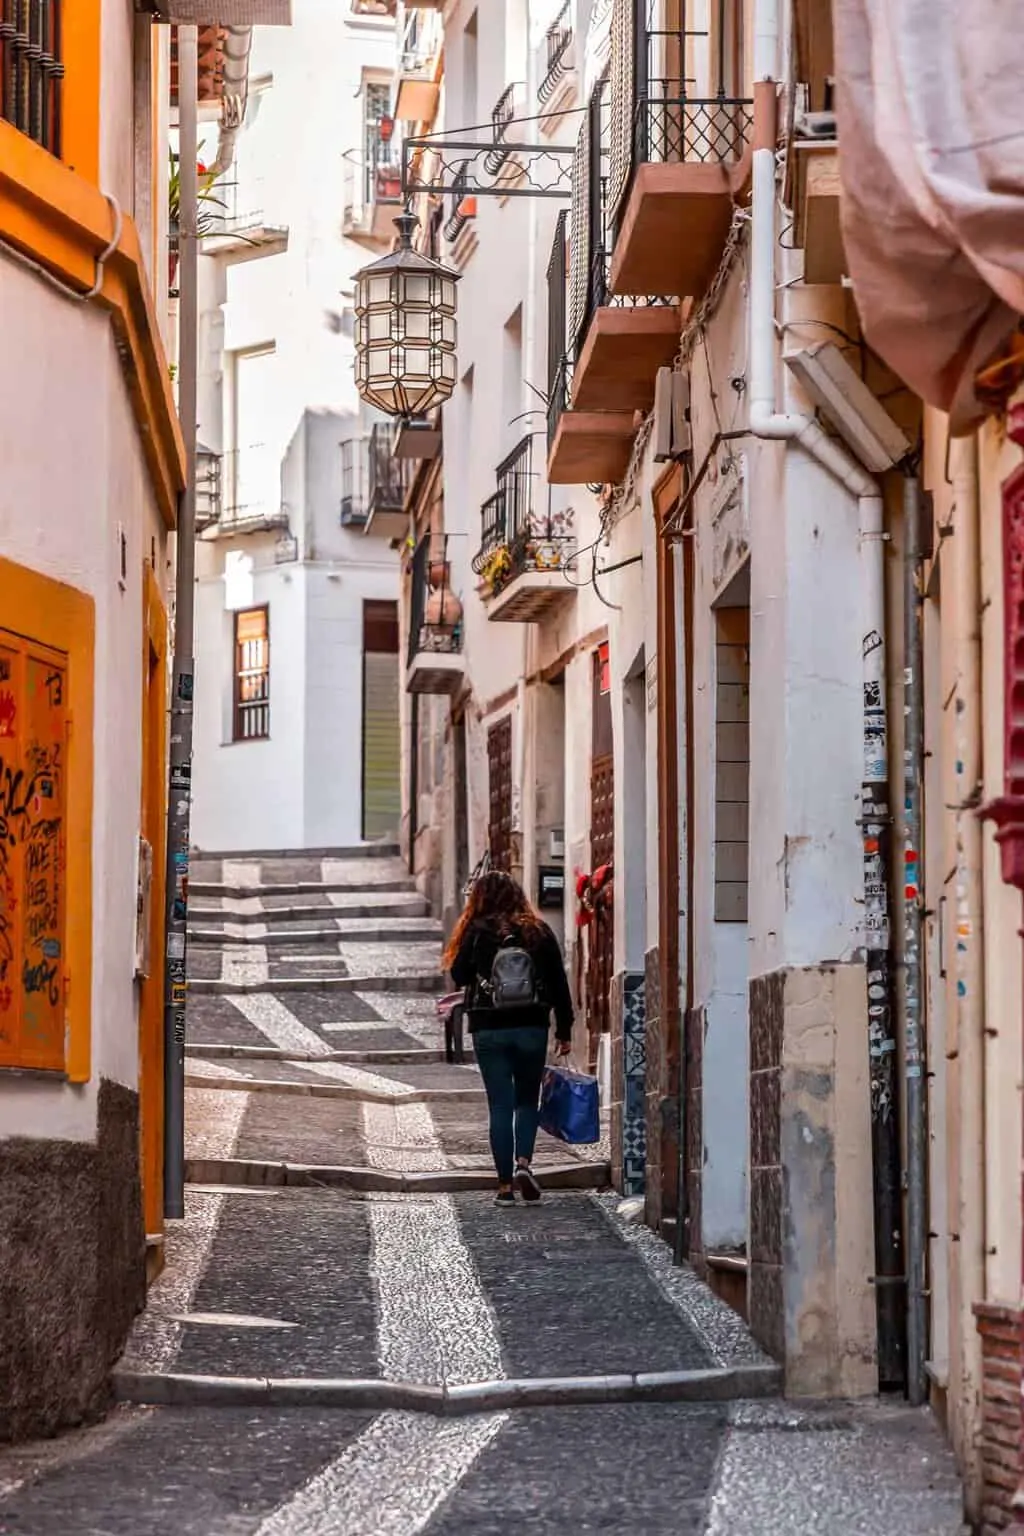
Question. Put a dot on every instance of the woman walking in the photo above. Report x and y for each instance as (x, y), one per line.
(509, 962)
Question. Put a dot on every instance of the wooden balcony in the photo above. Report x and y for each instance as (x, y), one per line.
(620, 358)
(673, 230)
(591, 447)
(814, 173)
(690, 159)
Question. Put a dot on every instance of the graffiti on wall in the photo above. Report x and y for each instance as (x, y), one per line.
(33, 770)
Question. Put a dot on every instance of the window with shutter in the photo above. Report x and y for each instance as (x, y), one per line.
(252, 675)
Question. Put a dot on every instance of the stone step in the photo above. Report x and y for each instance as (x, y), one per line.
(319, 937)
(388, 908)
(272, 855)
(716, 1384)
(239, 1172)
(201, 887)
(323, 1090)
(432, 982)
(383, 1058)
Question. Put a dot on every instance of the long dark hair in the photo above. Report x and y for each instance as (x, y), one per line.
(496, 903)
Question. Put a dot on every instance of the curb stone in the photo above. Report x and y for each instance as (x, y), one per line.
(246, 1171)
(717, 1385)
(317, 938)
(409, 1095)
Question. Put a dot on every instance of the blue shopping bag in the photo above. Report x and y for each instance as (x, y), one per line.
(569, 1106)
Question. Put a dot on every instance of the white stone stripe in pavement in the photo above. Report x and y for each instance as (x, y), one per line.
(277, 1022)
(241, 873)
(242, 906)
(390, 1481)
(244, 965)
(434, 1325)
(214, 1123)
(402, 1137)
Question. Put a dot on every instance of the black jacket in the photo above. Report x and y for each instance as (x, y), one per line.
(474, 960)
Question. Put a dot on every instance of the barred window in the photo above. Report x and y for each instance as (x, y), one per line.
(252, 675)
(31, 69)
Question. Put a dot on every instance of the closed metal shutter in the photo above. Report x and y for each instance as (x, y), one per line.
(381, 732)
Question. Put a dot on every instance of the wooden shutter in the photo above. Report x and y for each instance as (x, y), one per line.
(381, 730)
(499, 768)
(33, 899)
(252, 675)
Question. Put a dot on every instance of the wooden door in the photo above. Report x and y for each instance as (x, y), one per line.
(499, 769)
(382, 791)
(601, 960)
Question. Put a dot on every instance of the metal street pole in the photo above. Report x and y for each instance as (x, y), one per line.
(914, 1046)
(180, 787)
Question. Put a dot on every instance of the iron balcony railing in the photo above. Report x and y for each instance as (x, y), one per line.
(209, 494)
(502, 115)
(354, 459)
(579, 269)
(515, 536)
(251, 480)
(435, 614)
(459, 204)
(655, 115)
(389, 477)
(557, 43)
(31, 69)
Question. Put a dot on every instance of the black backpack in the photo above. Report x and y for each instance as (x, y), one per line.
(513, 982)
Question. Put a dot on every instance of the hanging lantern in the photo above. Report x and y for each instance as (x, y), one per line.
(405, 329)
(386, 128)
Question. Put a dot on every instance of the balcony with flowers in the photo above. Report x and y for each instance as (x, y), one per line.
(521, 563)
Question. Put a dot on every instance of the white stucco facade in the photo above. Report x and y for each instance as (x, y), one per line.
(277, 399)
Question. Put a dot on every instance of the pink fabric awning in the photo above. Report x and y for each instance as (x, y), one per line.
(931, 158)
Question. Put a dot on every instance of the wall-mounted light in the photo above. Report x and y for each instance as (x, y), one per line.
(405, 329)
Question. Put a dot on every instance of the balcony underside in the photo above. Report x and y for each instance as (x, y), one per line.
(621, 356)
(591, 447)
(673, 230)
(247, 242)
(531, 598)
(387, 523)
(816, 205)
(435, 672)
(416, 99)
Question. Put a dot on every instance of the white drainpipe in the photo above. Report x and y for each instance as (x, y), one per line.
(237, 48)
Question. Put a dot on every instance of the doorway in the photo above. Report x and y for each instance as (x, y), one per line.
(499, 779)
(382, 789)
(601, 960)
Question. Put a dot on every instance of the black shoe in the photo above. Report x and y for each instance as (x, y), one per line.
(527, 1184)
(505, 1197)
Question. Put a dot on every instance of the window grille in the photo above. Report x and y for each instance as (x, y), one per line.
(252, 675)
(31, 69)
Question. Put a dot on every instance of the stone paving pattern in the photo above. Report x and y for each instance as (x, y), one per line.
(431, 1288)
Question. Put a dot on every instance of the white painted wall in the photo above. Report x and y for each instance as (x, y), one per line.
(59, 515)
(302, 788)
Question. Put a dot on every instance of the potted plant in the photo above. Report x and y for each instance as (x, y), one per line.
(208, 215)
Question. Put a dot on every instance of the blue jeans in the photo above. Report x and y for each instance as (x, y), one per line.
(511, 1063)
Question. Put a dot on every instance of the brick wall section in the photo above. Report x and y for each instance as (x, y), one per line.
(764, 1293)
(696, 1026)
(1000, 1329)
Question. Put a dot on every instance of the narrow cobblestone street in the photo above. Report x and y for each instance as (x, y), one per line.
(343, 1273)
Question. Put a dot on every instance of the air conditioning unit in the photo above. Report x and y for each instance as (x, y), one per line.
(672, 436)
(858, 416)
(815, 125)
